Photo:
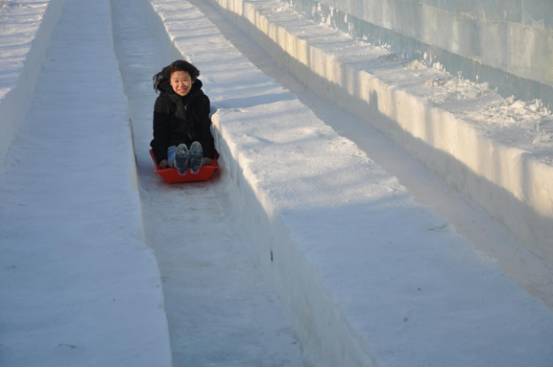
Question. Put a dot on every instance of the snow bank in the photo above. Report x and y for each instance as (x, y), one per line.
(26, 27)
(498, 151)
(368, 275)
(78, 284)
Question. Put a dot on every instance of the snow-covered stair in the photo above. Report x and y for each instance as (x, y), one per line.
(369, 276)
(78, 285)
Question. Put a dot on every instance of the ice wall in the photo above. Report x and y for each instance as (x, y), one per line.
(506, 43)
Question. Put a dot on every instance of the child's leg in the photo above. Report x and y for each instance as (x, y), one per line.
(182, 157)
(196, 155)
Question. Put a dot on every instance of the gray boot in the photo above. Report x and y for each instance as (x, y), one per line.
(196, 155)
(182, 158)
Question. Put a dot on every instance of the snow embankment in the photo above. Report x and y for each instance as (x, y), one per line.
(25, 30)
(78, 284)
(499, 151)
(367, 274)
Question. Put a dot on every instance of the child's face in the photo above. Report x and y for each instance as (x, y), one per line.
(181, 82)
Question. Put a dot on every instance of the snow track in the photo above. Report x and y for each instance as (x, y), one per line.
(220, 309)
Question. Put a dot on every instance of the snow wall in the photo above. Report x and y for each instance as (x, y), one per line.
(23, 70)
(508, 44)
(511, 183)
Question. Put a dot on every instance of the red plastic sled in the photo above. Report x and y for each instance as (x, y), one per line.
(171, 176)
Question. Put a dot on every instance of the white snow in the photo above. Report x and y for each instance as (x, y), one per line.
(496, 150)
(78, 284)
(25, 28)
(304, 250)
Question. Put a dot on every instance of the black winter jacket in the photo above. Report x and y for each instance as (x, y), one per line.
(182, 119)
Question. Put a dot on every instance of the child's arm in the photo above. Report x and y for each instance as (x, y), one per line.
(160, 143)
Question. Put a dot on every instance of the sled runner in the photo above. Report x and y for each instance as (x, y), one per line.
(171, 176)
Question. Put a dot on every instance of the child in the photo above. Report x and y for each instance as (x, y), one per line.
(182, 135)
